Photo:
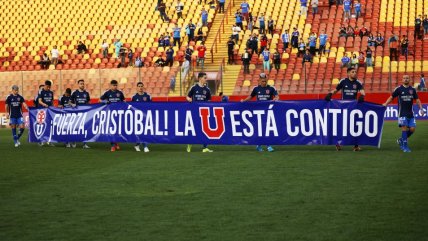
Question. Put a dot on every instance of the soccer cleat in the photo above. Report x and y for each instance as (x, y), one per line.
(113, 149)
(357, 148)
(73, 144)
(85, 146)
(67, 145)
(406, 149)
(189, 148)
(146, 149)
(117, 146)
(270, 149)
(400, 142)
(259, 148)
(17, 142)
(207, 150)
(50, 144)
(338, 147)
(41, 143)
(137, 148)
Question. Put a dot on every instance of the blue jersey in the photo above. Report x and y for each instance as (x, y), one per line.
(245, 7)
(357, 7)
(264, 93)
(347, 5)
(80, 97)
(15, 105)
(113, 96)
(266, 55)
(46, 96)
(65, 101)
(349, 88)
(323, 39)
(176, 32)
(141, 98)
(198, 93)
(405, 95)
(312, 41)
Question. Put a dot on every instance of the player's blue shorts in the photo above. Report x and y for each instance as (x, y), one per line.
(16, 121)
(404, 121)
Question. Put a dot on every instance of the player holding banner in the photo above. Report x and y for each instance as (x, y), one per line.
(406, 120)
(141, 96)
(350, 87)
(80, 97)
(14, 103)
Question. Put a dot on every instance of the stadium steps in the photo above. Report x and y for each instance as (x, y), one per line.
(230, 76)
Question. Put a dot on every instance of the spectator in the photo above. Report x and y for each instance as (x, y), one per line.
(161, 41)
(277, 60)
(303, 7)
(263, 43)
(201, 55)
(177, 35)
(230, 51)
(250, 22)
(104, 47)
(347, 9)
(312, 43)
(354, 61)
(314, 7)
(307, 57)
(204, 17)
(246, 58)
(262, 24)
(160, 62)
(295, 38)
(342, 32)
(363, 32)
(44, 61)
(188, 53)
(139, 62)
(221, 6)
(422, 86)
(302, 48)
(418, 22)
(393, 45)
(117, 46)
(185, 67)
(122, 54)
(162, 11)
(369, 57)
(404, 46)
(81, 48)
(253, 43)
(169, 56)
(371, 40)
(357, 8)
(191, 31)
(200, 35)
(167, 40)
(172, 84)
(266, 60)
(235, 32)
(350, 32)
(285, 39)
(54, 55)
(238, 19)
(361, 59)
(245, 9)
(425, 24)
(380, 41)
(179, 6)
(346, 61)
(323, 42)
(270, 25)
(130, 56)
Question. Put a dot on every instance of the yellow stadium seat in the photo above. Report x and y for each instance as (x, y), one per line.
(296, 77)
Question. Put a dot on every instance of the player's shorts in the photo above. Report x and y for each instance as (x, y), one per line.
(16, 121)
(404, 121)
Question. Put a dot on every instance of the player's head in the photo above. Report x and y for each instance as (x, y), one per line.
(352, 73)
(67, 92)
(81, 84)
(15, 89)
(48, 84)
(113, 85)
(202, 78)
(406, 80)
(140, 87)
(263, 79)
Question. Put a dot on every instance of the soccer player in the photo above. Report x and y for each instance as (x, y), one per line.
(65, 102)
(406, 121)
(263, 92)
(80, 97)
(36, 98)
(46, 99)
(199, 93)
(141, 96)
(350, 87)
(14, 103)
(113, 95)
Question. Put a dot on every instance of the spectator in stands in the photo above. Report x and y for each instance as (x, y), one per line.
(172, 84)
(303, 7)
(307, 58)
(354, 61)
(45, 61)
(295, 38)
(356, 31)
(266, 60)
(162, 11)
(425, 24)
(262, 24)
(350, 32)
(81, 48)
(404, 44)
(418, 23)
(117, 46)
(191, 31)
(177, 35)
(393, 45)
(302, 48)
(369, 57)
(363, 32)
(245, 9)
(314, 7)
(167, 39)
(371, 40)
(263, 43)
(238, 19)
(204, 17)
(201, 55)
(285, 37)
(246, 58)
(361, 60)
(357, 8)
(104, 47)
(188, 53)
(230, 51)
(200, 35)
(122, 54)
(270, 25)
(422, 86)
(346, 61)
(54, 55)
(185, 67)
(323, 43)
(347, 9)
(253, 44)
(179, 6)
(312, 43)
(130, 56)
(160, 62)
(277, 60)
(221, 6)
(380, 41)
(139, 62)
(342, 31)
(235, 32)
(250, 22)
(161, 41)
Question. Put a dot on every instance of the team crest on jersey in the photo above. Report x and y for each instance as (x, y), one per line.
(144, 98)
(18, 99)
(267, 92)
(40, 124)
(411, 92)
(84, 95)
(204, 92)
(118, 95)
(354, 86)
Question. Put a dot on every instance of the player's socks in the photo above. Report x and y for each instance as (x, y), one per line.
(15, 137)
(409, 133)
(404, 140)
(21, 131)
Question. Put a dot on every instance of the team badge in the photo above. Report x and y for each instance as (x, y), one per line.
(267, 92)
(40, 124)
(144, 98)
(118, 95)
(204, 92)
(354, 86)
(411, 92)
(18, 99)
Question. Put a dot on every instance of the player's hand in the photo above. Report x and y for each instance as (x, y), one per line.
(361, 99)
(384, 104)
(328, 96)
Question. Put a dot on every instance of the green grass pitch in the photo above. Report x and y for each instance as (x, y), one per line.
(296, 193)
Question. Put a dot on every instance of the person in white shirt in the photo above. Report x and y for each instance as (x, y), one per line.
(179, 9)
(235, 32)
(104, 46)
(55, 55)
